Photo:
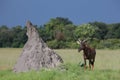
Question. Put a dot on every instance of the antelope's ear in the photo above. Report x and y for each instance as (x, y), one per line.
(78, 42)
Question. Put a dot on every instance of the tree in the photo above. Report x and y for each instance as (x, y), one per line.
(113, 31)
(55, 28)
(19, 36)
(85, 31)
(69, 32)
(6, 36)
(102, 29)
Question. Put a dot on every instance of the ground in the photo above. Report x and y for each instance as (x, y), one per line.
(107, 66)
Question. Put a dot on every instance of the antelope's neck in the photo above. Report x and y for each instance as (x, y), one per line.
(86, 50)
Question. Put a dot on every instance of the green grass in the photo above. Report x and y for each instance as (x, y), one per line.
(107, 66)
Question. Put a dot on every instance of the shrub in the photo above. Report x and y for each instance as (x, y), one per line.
(56, 44)
(95, 43)
(109, 43)
(72, 45)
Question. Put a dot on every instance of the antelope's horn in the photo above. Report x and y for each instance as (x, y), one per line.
(85, 40)
(79, 40)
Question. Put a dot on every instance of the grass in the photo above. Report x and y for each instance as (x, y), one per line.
(107, 66)
(8, 57)
(105, 59)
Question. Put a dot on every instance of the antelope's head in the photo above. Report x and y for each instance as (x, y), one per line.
(82, 44)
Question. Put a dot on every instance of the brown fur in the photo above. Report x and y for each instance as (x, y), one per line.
(88, 54)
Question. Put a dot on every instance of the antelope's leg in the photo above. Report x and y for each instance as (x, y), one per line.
(85, 63)
(90, 64)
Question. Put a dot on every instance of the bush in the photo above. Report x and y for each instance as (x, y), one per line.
(52, 44)
(109, 43)
(56, 44)
(62, 44)
(112, 43)
(72, 45)
(95, 43)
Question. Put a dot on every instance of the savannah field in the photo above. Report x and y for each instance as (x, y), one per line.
(107, 66)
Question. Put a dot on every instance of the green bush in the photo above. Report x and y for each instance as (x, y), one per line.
(56, 44)
(95, 43)
(109, 43)
(62, 44)
(52, 44)
(72, 45)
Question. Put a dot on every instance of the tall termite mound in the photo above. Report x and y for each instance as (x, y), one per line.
(36, 54)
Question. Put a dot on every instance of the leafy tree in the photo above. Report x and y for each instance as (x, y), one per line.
(43, 33)
(69, 32)
(113, 31)
(5, 36)
(85, 31)
(102, 29)
(55, 28)
(19, 36)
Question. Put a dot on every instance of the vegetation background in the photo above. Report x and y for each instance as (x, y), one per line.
(60, 33)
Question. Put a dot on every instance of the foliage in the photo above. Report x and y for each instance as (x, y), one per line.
(111, 43)
(56, 44)
(13, 37)
(113, 31)
(102, 30)
(85, 31)
(60, 32)
(55, 28)
(61, 44)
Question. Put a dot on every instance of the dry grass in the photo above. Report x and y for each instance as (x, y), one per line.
(8, 57)
(105, 59)
(108, 59)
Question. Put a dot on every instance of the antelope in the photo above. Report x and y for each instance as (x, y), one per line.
(88, 53)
